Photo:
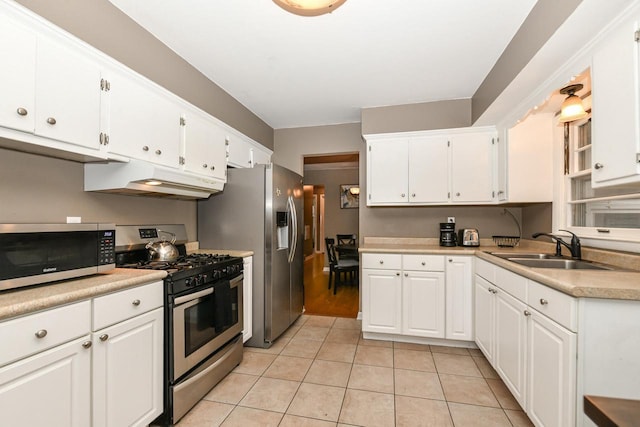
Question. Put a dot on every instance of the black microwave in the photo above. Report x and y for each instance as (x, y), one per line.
(32, 254)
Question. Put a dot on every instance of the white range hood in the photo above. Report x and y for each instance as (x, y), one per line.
(136, 177)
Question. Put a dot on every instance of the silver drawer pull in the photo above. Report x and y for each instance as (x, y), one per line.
(406, 274)
(104, 337)
(397, 274)
(22, 111)
(41, 333)
(86, 344)
(51, 121)
(527, 313)
(145, 148)
(205, 166)
(424, 263)
(381, 262)
(543, 301)
(136, 302)
(598, 166)
(158, 152)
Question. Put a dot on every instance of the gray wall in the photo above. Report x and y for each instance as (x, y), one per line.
(337, 220)
(102, 25)
(537, 218)
(37, 189)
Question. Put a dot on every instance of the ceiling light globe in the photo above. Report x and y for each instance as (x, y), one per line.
(309, 7)
(572, 109)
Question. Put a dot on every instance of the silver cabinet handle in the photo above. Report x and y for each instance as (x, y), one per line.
(598, 166)
(104, 337)
(205, 166)
(136, 302)
(527, 313)
(397, 274)
(423, 263)
(406, 274)
(51, 120)
(543, 301)
(403, 195)
(458, 194)
(413, 194)
(86, 344)
(22, 111)
(450, 260)
(145, 148)
(213, 168)
(41, 333)
(158, 152)
(381, 261)
(500, 192)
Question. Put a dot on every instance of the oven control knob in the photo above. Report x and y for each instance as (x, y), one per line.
(216, 274)
(188, 282)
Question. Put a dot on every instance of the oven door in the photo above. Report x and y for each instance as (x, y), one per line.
(204, 321)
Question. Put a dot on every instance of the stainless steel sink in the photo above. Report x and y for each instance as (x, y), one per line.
(509, 255)
(563, 264)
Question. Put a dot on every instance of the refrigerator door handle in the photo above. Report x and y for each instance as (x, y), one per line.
(294, 229)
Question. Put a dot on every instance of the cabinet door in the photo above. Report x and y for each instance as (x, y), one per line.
(429, 170)
(387, 172)
(511, 344)
(247, 298)
(143, 122)
(472, 167)
(423, 304)
(17, 76)
(551, 391)
(615, 112)
(459, 284)
(51, 388)
(381, 301)
(204, 145)
(260, 157)
(239, 152)
(67, 95)
(127, 371)
(485, 317)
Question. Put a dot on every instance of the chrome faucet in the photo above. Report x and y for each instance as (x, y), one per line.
(574, 247)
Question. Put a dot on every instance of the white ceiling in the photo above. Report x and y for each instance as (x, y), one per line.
(294, 71)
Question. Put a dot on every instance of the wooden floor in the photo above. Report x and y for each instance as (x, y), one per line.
(321, 301)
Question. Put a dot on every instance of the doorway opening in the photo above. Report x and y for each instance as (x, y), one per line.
(331, 184)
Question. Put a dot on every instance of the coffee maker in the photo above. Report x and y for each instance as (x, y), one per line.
(447, 234)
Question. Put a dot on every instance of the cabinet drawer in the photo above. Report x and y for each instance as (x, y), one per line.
(119, 306)
(423, 262)
(557, 306)
(382, 261)
(56, 326)
(513, 283)
(486, 270)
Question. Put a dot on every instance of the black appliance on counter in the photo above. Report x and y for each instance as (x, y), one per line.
(447, 234)
(31, 254)
(203, 315)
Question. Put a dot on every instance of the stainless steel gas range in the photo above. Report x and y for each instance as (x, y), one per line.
(203, 314)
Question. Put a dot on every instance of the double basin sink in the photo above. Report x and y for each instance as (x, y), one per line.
(540, 260)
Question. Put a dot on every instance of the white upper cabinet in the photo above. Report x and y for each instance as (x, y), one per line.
(48, 88)
(452, 166)
(204, 148)
(143, 123)
(388, 171)
(615, 89)
(67, 95)
(18, 50)
(472, 169)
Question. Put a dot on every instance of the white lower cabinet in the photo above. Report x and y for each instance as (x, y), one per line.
(58, 373)
(534, 354)
(52, 388)
(459, 298)
(407, 294)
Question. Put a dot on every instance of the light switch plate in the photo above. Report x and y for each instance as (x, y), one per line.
(74, 220)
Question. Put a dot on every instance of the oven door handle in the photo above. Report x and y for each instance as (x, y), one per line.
(235, 281)
(191, 297)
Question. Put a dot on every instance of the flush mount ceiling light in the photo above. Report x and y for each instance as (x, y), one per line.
(572, 108)
(309, 7)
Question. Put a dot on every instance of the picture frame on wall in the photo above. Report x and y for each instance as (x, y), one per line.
(349, 196)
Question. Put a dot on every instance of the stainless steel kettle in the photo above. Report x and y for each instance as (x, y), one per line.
(163, 250)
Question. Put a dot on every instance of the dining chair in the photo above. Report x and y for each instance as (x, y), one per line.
(347, 240)
(340, 269)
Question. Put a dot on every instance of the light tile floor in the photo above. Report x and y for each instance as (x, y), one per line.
(322, 373)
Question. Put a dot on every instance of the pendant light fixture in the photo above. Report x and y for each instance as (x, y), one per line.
(309, 7)
(572, 108)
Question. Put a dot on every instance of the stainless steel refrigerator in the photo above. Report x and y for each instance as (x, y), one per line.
(260, 209)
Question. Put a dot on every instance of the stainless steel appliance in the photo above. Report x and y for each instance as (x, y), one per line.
(260, 209)
(31, 254)
(468, 237)
(447, 234)
(203, 315)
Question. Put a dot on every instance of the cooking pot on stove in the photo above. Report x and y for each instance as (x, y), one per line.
(163, 250)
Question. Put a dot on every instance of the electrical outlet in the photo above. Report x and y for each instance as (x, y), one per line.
(451, 219)
(74, 220)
